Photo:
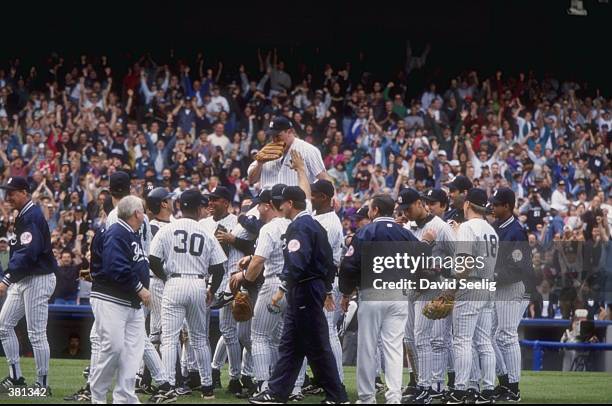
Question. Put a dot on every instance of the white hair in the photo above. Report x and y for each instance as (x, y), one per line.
(128, 206)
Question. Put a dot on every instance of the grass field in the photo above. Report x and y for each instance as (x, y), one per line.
(537, 387)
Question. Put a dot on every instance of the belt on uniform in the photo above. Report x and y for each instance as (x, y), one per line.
(186, 275)
(312, 278)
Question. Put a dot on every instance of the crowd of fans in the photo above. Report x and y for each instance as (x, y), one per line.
(67, 125)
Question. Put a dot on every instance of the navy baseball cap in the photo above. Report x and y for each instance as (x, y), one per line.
(294, 193)
(406, 197)
(503, 195)
(323, 186)
(120, 182)
(278, 124)
(276, 193)
(16, 183)
(264, 197)
(192, 199)
(436, 195)
(460, 183)
(478, 197)
(221, 192)
(362, 213)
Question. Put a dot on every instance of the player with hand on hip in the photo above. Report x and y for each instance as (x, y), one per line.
(186, 253)
(472, 313)
(384, 319)
(28, 283)
(510, 299)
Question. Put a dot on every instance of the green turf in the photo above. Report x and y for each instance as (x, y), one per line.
(540, 387)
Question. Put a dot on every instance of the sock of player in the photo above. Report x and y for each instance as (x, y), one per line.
(42, 380)
(15, 370)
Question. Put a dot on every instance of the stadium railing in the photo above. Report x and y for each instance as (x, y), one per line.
(539, 347)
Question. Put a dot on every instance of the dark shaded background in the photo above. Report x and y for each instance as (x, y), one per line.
(515, 35)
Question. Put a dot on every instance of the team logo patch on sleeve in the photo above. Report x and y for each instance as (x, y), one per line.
(517, 255)
(293, 245)
(25, 238)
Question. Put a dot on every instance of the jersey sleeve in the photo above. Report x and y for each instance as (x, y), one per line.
(297, 257)
(265, 243)
(314, 162)
(158, 244)
(350, 267)
(24, 258)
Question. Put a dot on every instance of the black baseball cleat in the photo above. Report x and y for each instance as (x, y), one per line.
(40, 390)
(221, 300)
(296, 397)
(248, 385)
(510, 396)
(486, 397)
(455, 397)
(266, 397)
(183, 390)
(7, 383)
(234, 387)
(333, 402)
(420, 396)
(145, 390)
(434, 394)
(410, 390)
(379, 386)
(500, 391)
(216, 378)
(208, 392)
(164, 396)
(471, 396)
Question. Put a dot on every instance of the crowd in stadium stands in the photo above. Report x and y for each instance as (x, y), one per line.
(68, 125)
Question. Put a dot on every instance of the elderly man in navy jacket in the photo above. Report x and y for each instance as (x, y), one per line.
(29, 282)
(307, 280)
(119, 287)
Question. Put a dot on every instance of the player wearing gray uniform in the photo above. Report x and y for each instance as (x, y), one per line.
(419, 327)
(280, 170)
(221, 219)
(472, 313)
(266, 325)
(186, 253)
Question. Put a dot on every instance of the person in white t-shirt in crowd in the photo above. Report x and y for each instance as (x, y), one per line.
(219, 139)
(217, 103)
(559, 200)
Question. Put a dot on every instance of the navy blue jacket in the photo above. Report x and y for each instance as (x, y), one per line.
(31, 252)
(514, 256)
(119, 266)
(378, 230)
(308, 254)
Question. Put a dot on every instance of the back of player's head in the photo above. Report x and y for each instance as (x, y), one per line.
(503, 196)
(156, 197)
(478, 200)
(119, 184)
(296, 195)
(384, 203)
(276, 195)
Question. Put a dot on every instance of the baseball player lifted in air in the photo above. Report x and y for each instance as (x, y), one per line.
(514, 259)
(472, 313)
(377, 318)
(442, 347)
(28, 283)
(272, 164)
(307, 278)
(266, 326)
(119, 286)
(185, 253)
(420, 328)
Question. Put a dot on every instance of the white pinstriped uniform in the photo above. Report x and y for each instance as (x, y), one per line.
(472, 314)
(156, 287)
(186, 247)
(151, 357)
(230, 345)
(421, 335)
(279, 170)
(266, 327)
(29, 297)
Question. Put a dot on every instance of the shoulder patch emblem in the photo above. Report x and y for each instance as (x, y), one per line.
(293, 245)
(350, 251)
(517, 255)
(25, 238)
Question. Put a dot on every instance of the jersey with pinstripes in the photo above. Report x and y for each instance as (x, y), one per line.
(279, 170)
(187, 248)
(266, 327)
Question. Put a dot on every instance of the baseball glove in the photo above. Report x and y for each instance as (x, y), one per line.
(242, 308)
(271, 152)
(440, 307)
